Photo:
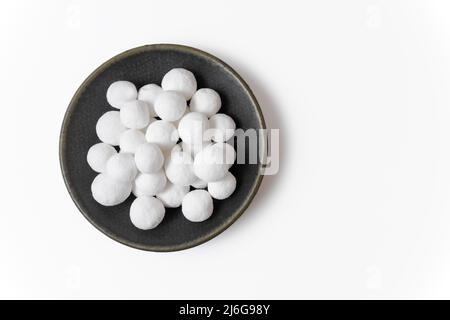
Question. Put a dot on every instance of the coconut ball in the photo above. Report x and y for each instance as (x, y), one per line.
(130, 140)
(199, 184)
(180, 80)
(120, 92)
(170, 105)
(149, 158)
(206, 101)
(98, 155)
(222, 126)
(222, 189)
(211, 164)
(176, 123)
(109, 128)
(135, 114)
(144, 130)
(192, 127)
(149, 184)
(108, 191)
(226, 152)
(197, 206)
(194, 148)
(176, 148)
(121, 167)
(146, 212)
(162, 133)
(149, 93)
(172, 195)
(179, 168)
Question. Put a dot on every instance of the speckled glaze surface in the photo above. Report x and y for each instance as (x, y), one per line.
(142, 65)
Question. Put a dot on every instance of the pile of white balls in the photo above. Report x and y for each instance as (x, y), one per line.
(153, 163)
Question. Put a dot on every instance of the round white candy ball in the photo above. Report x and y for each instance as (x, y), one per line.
(192, 127)
(172, 195)
(144, 130)
(176, 123)
(226, 152)
(98, 155)
(206, 101)
(213, 162)
(149, 93)
(222, 189)
(199, 184)
(149, 158)
(162, 133)
(197, 206)
(120, 92)
(130, 140)
(170, 105)
(149, 184)
(109, 128)
(108, 191)
(121, 167)
(176, 148)
(180, 80)
(194, 148)
(146, 212)
(179, 168)
(222, 127)
(135, 114)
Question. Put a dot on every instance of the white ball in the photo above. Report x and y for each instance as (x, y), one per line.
(149, 93)
(135, 114)
(192, 127)
(98, 155)
(199, 184)
(109, 192)
(206, 101)
(149, 158)
(227, 152)
(194, 148)
(149, 184)
(222, 127)
(121, 167)
(130, 140)
(120, 92)
(176, 123)
(109, 128)
(144, 130)
(212, 163)
(146, 212)
(197, 206)
(176, 148)
(162, 133)
(222, 189)
(172, 195)
(170, 105)
(179, 168)
(180, 80)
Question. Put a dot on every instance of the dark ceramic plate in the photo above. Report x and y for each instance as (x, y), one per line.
(144, 65)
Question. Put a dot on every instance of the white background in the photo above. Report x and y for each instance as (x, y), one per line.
(360, 207)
